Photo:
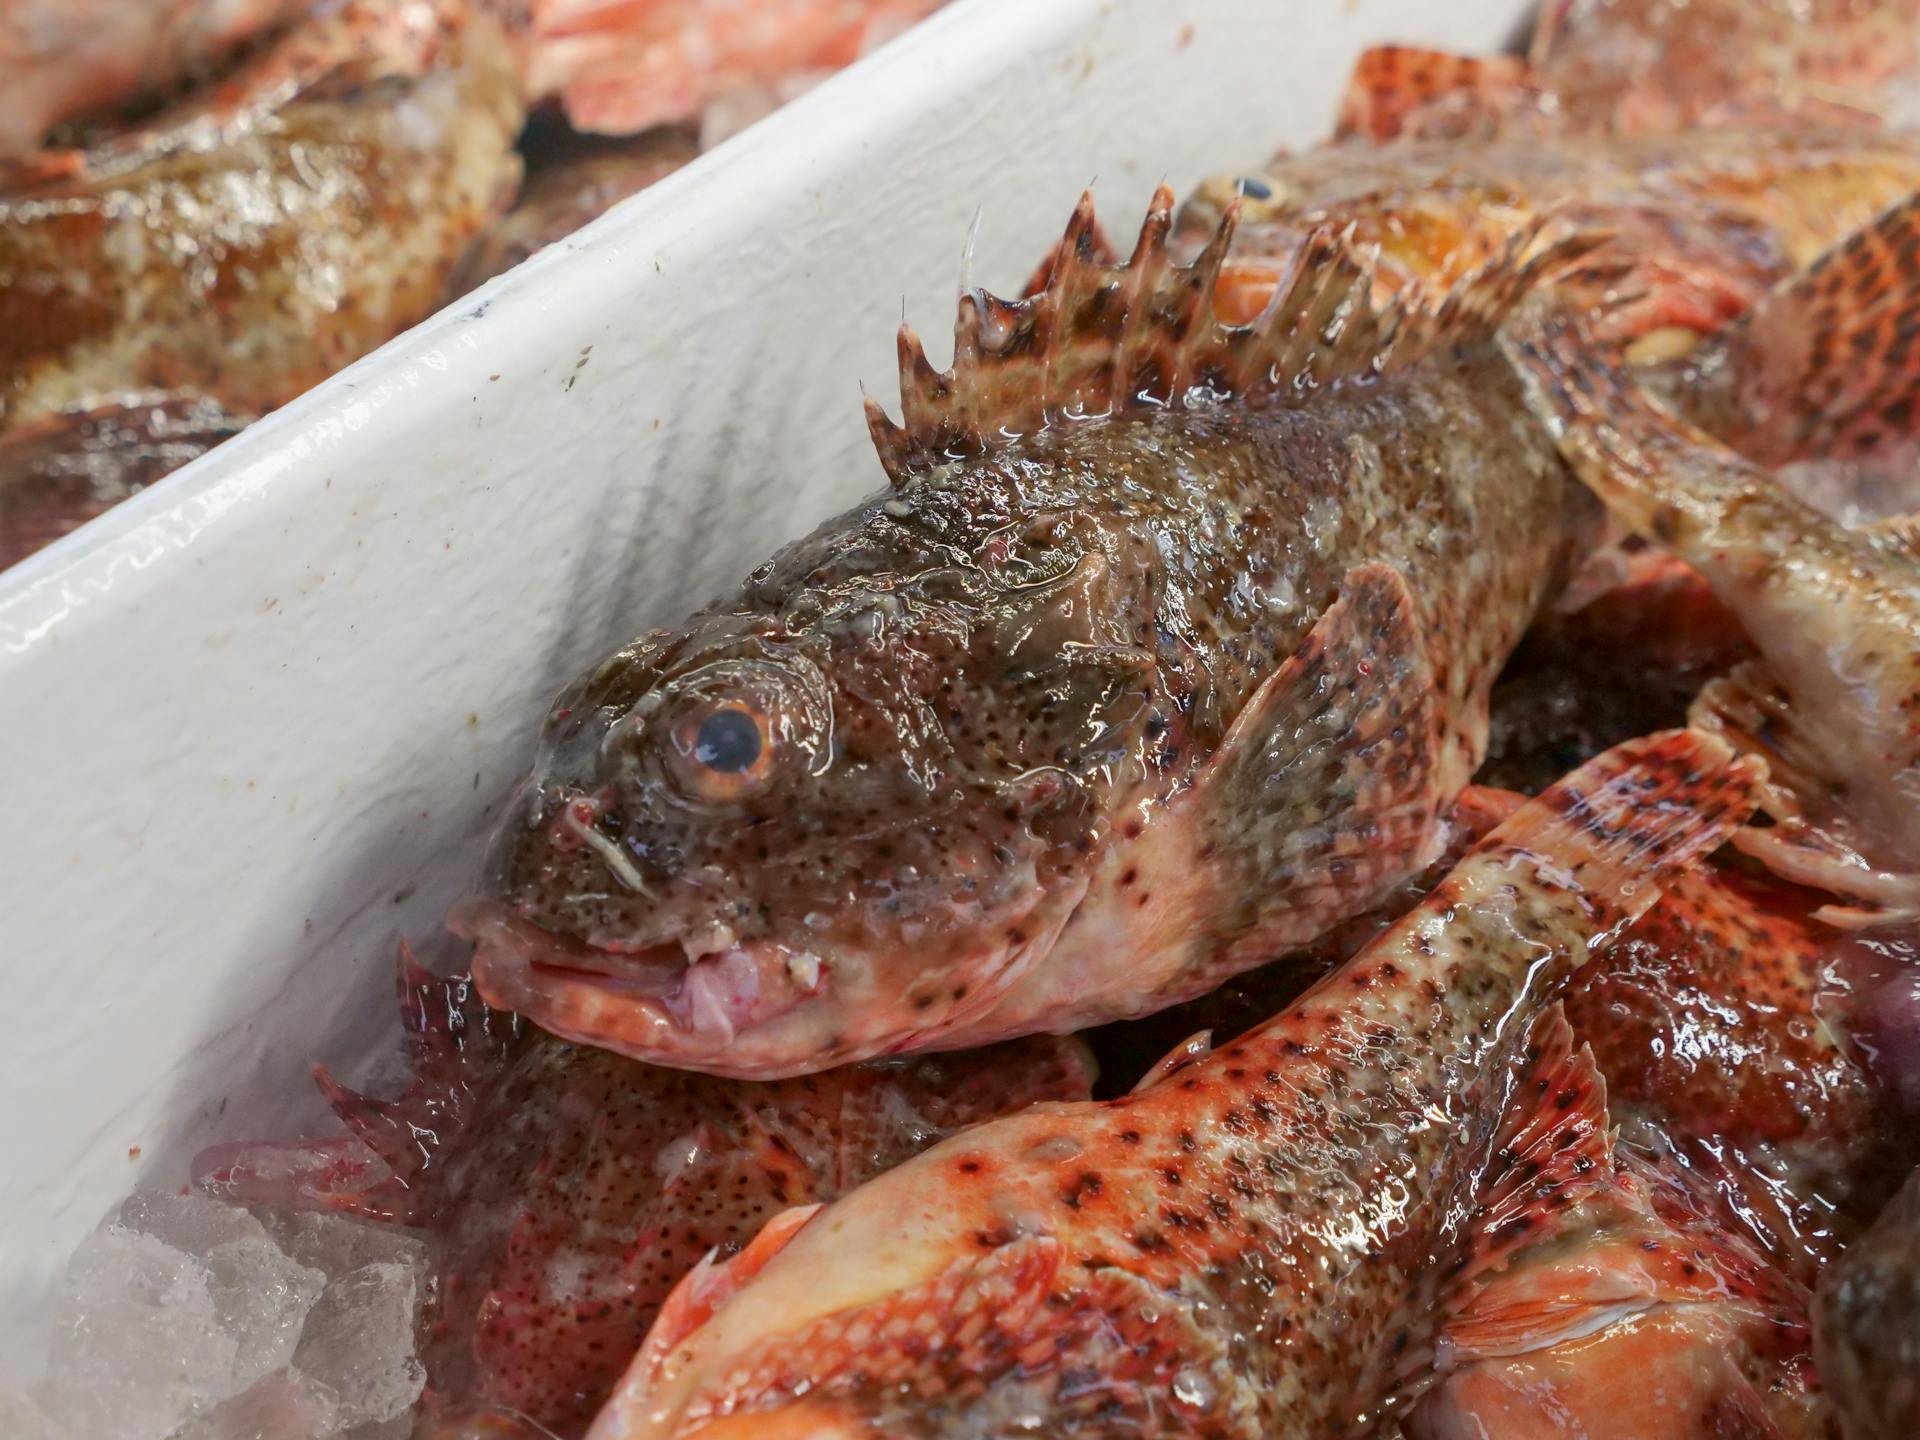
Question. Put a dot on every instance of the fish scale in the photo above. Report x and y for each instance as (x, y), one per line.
(1163, 655)
(1261, 1243)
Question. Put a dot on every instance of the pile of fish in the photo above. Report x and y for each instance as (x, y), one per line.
(206, 206)
(1338, 853)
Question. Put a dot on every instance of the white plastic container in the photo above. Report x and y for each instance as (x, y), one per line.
(256, 723)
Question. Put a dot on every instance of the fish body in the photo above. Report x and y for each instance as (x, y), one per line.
(65, 58)
(1066, 727)
(1699, 226)
(1867, 1326)
(1261, 1243)
(1728, 1031)
(1667, 65)
(1651, 67)
(59, 473)
(250, 242)
(564, 1191)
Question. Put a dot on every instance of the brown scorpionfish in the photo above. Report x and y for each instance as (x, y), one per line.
(1163, 655)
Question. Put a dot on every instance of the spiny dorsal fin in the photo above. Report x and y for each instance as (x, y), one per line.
(1101, 339)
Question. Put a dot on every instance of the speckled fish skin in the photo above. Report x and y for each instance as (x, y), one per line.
(1262, 1243)
(1701, 225)
(1726, 1024)
(1065, 731)
(249, 243)
(1867, 1326)
(1834, 700)
(564, 1191)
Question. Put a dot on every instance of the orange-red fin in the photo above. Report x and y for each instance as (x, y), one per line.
(1144, 336)
(1553, 1149)
(1406, 90)
(1352, 713)
(1626, 820)
(1827, 365)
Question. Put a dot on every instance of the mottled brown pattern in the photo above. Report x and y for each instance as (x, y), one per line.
(996, 783)
(241, 248)
(1264, 1242)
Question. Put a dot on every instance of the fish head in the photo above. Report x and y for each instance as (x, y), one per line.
(828, 821)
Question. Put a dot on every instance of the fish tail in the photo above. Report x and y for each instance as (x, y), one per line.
(1627, 820)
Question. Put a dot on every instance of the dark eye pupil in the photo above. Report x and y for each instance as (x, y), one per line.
(728, 742)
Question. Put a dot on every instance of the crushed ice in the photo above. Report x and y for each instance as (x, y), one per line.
(185, 1318)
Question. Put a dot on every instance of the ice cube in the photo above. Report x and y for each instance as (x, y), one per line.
(285, 1406)
(21, 1419)
(193, 1223)
(338, 1245)
(262, 1298)
(359, 1340)
(138, 1345)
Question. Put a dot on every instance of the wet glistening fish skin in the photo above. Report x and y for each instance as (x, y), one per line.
(1082, 716)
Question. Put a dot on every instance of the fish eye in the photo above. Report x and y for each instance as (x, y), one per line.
(723, 752)
(727, 741)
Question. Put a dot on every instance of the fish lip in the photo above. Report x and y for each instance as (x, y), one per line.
(659, 1003)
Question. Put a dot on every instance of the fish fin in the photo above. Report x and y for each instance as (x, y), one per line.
(1145, 336)
(1352, 714)
(1656, 472)
(1479, 808)
(1827, 364)
(1626, 820)
(1804, 845)
(1097, 249)
(1404, 89)
(1553, 1148)
(1195, 1047)
(703, 1289)
(338, 1174)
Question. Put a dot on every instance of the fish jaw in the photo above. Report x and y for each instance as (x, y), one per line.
(754, 1010)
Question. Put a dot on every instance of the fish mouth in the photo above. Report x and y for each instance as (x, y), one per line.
(712, 1010)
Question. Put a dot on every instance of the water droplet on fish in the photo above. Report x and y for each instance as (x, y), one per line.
(1194, 1389)
(804, 970)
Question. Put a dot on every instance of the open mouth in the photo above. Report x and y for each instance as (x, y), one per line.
(666, 1002)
